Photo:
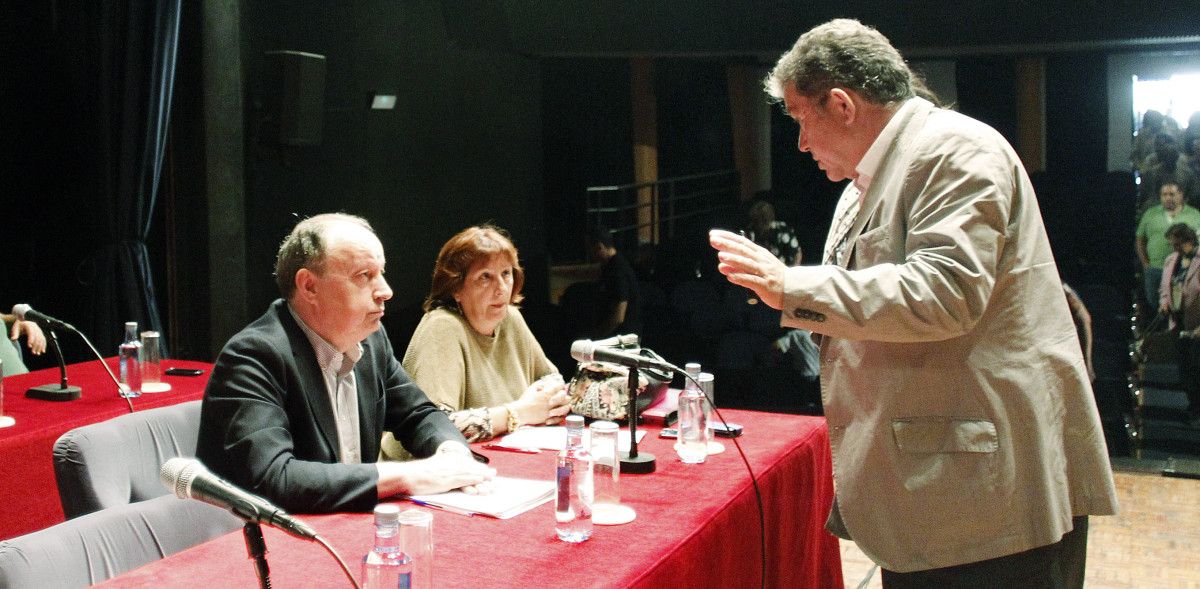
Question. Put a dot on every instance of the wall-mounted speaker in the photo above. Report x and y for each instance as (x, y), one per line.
(295, 97)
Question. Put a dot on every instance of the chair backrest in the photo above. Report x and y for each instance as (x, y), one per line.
(117, 461)
(97, 546)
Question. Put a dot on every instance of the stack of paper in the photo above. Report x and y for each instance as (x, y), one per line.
(509, 497)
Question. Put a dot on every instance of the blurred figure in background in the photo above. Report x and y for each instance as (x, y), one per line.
(775, 235)
(618, 300)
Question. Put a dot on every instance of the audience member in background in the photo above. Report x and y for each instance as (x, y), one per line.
(1180, 300)
(10, 355)
(1083, 326)
(1151, 241)
(967, 449)
(1143, 143)
(1190, 145)
(777, 236)
(299, 399)
(472, 353)
(1165, 166)
(618, 300)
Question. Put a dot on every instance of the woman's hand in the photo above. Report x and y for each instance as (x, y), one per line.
(545, 402)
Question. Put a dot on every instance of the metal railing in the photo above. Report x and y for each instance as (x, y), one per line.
(651, 212)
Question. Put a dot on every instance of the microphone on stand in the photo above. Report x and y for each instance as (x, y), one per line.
(61, 392)
(188, 478)
(586, 351)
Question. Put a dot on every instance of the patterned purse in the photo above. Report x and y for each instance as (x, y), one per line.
(600, 390)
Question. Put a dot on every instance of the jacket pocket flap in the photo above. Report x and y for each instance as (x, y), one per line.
(933, 435)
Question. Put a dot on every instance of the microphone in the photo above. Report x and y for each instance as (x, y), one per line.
(585, 350)
(629, 340)
(188, 478)
(26, 313)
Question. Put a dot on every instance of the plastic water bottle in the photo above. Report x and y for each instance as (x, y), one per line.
(129, 357)
(692, 445)
(573, 504)
(386, 566)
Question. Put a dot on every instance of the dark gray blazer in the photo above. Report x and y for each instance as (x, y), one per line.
(267, 425)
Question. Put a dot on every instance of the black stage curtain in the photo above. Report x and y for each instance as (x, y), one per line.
(134, 72)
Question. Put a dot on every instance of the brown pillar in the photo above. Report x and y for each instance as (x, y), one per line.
(1031, 113)
(751, 124)
(645, 143)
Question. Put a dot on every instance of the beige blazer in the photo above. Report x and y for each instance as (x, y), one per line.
(961, 417)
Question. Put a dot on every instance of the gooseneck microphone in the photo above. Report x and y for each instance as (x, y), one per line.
(586, 350)
(62, 392)
(26, 313)
(189, 479)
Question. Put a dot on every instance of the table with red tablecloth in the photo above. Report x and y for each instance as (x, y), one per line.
(27, 486)
(696, 526)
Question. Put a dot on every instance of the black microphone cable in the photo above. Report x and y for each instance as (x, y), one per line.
(762, 520)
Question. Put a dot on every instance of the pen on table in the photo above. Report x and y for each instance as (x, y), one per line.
(752, 299)
(512, 449)
(443, 507)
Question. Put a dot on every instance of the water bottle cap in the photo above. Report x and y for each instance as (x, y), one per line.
(387, 514)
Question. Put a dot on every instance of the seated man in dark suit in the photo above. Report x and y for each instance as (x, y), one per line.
(299, 399)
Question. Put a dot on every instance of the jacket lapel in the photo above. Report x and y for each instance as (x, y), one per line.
(368, 397)
(312, 383)
(888, 178)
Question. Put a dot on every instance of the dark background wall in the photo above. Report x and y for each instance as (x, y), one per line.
(506, 110)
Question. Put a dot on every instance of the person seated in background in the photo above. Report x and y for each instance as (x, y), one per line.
(10, 355)
(1179, 299)
(774, 235)
(618, 304)
(1151, 243)
(298, 400)
(472, 352)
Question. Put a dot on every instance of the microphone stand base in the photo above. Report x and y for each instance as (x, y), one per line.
(53, 392)
(643, 463)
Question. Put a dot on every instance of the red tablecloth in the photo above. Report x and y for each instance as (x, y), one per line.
(697, 526)
(27, 486)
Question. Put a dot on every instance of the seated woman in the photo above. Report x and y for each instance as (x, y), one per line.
(472, 353)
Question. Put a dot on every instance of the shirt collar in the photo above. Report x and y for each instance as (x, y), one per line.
(329, 358)
(868, 167)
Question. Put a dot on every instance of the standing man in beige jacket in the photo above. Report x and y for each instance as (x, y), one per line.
(967, 448)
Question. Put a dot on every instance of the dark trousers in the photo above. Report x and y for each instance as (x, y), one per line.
(1055, 566)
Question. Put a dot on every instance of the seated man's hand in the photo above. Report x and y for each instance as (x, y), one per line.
(448, 469)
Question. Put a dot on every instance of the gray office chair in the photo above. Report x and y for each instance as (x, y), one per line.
(100, 545)
(115, 462)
